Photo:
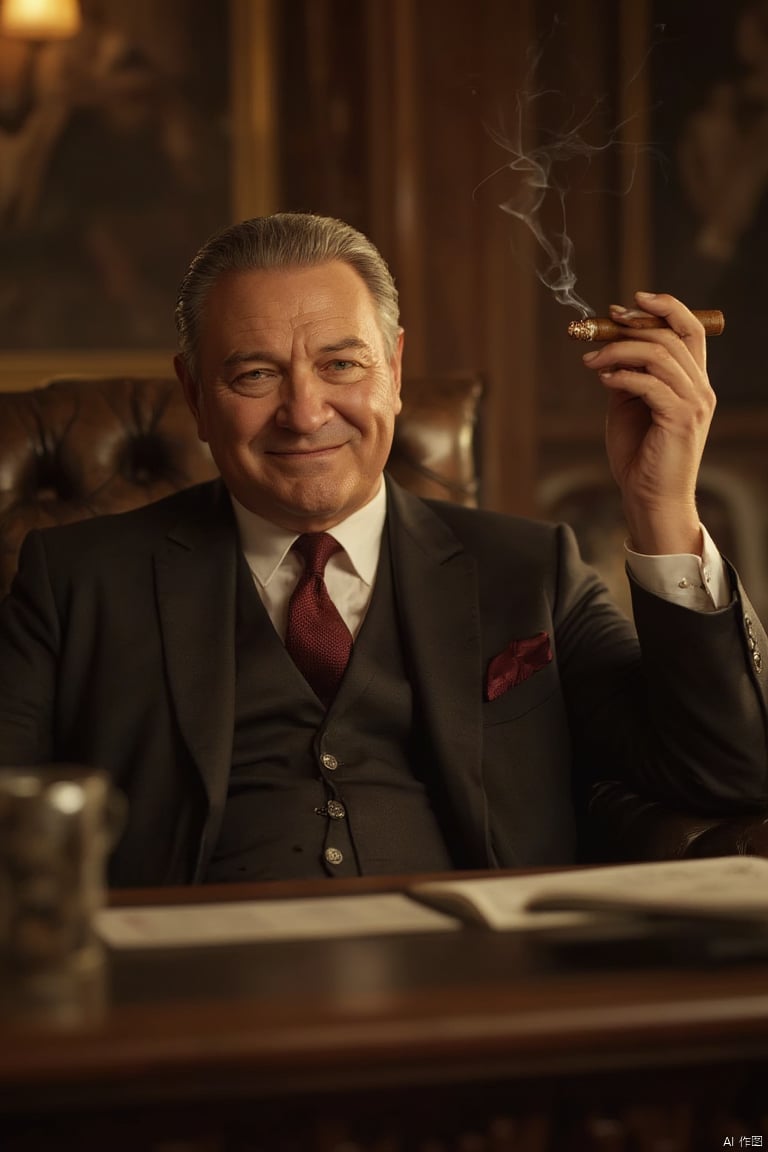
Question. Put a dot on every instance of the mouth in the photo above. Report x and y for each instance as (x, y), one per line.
(299, 454)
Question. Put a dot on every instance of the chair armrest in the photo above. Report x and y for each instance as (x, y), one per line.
(626, 827)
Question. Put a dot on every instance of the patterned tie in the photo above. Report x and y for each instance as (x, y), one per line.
(316, 636)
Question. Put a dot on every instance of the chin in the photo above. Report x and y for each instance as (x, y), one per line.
(318, 500)
(311, 515)
(315, 517)
(310, 505)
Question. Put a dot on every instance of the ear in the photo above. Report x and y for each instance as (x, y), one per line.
(192, 395)
(396, 366)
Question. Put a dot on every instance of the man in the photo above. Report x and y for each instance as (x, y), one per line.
(442, 686)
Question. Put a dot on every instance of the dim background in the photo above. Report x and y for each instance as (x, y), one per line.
(416, 121)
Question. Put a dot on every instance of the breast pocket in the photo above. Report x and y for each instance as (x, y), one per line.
(522, 698)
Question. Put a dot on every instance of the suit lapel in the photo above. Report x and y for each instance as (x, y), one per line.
(436, 588)
(195, 569)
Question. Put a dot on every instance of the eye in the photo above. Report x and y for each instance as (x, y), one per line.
(254, 380)
(256, 374)
(341, 371)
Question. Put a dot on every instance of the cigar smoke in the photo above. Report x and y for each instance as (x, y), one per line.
(541, 182)
(534, 186)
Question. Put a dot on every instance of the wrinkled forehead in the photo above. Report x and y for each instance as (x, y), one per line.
(286, 300)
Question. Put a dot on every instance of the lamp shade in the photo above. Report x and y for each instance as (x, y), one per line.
(40, 19)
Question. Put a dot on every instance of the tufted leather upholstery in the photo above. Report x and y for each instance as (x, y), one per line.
(624, 826)
(78, 448)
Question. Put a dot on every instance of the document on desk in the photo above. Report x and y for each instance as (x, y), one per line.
(244, 922)
(724, 888)
(718, 889)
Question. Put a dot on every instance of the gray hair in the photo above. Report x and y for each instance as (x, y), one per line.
(283, 240)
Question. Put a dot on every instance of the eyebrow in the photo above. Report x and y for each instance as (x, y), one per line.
(245, 357)
(344, 345)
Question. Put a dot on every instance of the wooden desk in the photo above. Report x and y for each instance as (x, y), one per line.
(460, 1042)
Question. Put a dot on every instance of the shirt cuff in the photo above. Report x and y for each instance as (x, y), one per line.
(697, 582)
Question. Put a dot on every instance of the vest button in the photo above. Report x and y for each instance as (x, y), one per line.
(335, 810)
(329, 762)
(333, 856)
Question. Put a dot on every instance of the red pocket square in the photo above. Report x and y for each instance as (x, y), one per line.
(519, 660)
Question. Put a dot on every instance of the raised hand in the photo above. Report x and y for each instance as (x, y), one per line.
(660, 407)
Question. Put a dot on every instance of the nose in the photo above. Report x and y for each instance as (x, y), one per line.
(303, 407)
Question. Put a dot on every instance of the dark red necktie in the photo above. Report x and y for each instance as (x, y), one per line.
(316, 636)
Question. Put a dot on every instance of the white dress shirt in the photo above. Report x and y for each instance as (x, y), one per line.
(349, 574)
(696, 582)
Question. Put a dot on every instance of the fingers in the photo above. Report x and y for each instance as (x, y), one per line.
(642, 367)
(668, 392)
(652, 362)
(677, 317)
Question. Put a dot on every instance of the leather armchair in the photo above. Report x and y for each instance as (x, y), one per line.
(78, 448)
(625, 827)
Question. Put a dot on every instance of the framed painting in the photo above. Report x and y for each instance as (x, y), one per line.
(710, 186)
(122, 148)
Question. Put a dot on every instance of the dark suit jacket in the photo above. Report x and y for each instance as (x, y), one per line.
(117, 649)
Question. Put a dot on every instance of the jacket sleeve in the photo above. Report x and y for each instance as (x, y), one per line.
(681, 716)
(29, 643)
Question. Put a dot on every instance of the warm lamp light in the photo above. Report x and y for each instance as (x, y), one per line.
(40, 19)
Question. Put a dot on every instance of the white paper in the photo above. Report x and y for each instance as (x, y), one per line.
(718, 886)
(497, 902)
(241, 922)
(722, 886)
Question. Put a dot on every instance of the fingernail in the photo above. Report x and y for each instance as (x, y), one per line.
(626, 313)
(589, 356)
(645, 295)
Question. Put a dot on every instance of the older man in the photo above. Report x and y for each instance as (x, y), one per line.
(302, 670)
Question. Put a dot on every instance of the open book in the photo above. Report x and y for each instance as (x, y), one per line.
(586, 901)
(723, 888)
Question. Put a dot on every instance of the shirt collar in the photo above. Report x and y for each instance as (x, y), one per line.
(265, 545)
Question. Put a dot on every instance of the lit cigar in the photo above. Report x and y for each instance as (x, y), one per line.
(605, 329)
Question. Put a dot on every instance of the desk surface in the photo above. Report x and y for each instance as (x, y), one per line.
(358, 1009)
(266, 1021)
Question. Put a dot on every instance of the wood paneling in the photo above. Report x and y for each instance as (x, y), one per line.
(255, 108)
(390, 113)
(433, 88)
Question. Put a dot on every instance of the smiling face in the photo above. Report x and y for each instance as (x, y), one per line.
(297, 395)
